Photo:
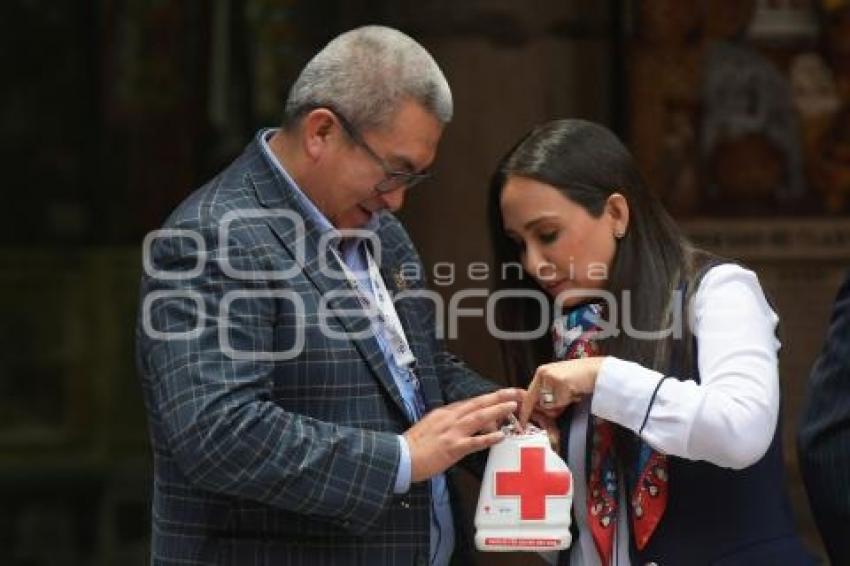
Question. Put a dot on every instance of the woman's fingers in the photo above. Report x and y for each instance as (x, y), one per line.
(529, 400)
(550, 425)
(552, 413)
(556, 385)
(549, 395)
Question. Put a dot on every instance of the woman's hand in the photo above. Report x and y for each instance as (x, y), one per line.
(559, 384)
(550, 424)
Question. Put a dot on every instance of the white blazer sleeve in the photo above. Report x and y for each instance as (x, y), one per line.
(730, 417)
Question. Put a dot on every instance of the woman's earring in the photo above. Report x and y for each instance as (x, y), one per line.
(619, 234)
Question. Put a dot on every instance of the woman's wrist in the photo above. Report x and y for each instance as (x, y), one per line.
(596, 367)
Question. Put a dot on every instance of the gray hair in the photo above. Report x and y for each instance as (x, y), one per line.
(365, 74)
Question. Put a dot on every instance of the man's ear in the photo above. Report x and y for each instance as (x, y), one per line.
(318, 129)
(617, 209)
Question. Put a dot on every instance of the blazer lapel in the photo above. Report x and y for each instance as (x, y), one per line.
(301, 238)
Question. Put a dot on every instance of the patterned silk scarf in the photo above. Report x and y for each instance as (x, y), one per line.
(646, 478)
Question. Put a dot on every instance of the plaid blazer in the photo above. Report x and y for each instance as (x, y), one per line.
(823, 441)
(266, 452)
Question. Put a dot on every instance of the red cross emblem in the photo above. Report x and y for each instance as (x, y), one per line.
(532, 483)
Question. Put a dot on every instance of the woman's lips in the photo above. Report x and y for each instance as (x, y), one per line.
(555, 286)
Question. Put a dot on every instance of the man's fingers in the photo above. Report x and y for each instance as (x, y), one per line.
(483, 418)
(486, 400)
(480, 442)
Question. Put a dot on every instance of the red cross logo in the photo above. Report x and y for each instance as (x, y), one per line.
(532, 483)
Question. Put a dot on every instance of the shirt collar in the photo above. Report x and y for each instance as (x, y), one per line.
(312, 211)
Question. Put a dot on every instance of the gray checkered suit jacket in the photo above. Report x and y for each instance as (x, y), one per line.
(277, 461)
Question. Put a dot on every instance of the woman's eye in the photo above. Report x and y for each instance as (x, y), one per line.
(548, 237)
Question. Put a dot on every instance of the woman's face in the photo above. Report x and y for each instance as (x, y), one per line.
(561, 245)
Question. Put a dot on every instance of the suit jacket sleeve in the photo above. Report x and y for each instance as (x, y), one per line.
(824, 436)
(215, 409)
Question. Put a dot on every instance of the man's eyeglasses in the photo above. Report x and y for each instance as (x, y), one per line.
(393, 179)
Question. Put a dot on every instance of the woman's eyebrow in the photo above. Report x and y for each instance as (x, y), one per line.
(531, 223)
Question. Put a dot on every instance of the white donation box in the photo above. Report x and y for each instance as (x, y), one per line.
(525, 498)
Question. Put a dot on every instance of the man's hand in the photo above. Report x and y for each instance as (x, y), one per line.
(447, 434)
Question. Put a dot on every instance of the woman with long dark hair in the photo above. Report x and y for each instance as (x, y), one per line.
(657, 361)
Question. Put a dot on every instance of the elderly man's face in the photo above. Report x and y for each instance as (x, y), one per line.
(408, 143)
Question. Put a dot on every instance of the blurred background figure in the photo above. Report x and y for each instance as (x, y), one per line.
(824, 436)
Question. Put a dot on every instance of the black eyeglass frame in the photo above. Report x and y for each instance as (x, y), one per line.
(393, 178)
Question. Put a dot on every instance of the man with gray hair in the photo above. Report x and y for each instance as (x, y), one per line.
(301, 407)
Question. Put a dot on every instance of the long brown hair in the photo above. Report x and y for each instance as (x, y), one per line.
(587, 163)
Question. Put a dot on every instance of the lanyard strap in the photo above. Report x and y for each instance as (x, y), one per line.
(386, 320)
